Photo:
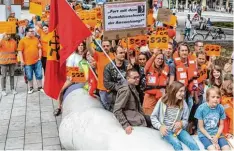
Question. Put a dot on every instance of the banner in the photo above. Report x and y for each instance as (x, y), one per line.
(7, 27)
(120, 16)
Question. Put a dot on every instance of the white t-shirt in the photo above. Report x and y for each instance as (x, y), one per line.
(73, 60)
(188, 23)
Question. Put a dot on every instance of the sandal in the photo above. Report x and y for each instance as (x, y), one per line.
(57, 112)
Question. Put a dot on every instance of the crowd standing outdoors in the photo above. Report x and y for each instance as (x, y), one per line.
(178, 91)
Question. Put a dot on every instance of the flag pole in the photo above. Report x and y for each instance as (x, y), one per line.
(110, 60)
(92, 71)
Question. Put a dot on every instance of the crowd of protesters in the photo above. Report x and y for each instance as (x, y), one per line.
(179, 91)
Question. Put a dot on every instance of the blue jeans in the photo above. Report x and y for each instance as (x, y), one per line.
(36, 68)
(104, 99)
(190, 102)
(183, 137)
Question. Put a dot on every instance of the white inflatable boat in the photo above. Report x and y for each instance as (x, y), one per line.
(87, 126)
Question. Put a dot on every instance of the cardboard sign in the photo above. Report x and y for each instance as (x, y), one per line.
(22, 23)
(92, 18)
(164, 15)
(202, 74)
(137, 41)
(44, 17)
(212, 50)
(35, 8)
(76, 74)
(172, 21)
(12, 20)
(7, 27)
(161, 31)
(158, 41)
(88, 17)
(123, 43)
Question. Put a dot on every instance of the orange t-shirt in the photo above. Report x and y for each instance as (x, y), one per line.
(45, 38)
(30, 50)
(102, 61)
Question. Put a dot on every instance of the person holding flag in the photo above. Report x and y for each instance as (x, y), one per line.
(65, 41)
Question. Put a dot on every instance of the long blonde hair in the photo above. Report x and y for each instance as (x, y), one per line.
(170, 97)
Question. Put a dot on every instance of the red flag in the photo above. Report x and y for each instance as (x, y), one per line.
(70, 32)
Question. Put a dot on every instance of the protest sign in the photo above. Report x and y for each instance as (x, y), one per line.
(35, 8)
(7, 27)
(158, 41)
(164, 15)
(12, 20)
(76, 74)
(22, 23)
(212, 50)
(172, 21)
(124, 19)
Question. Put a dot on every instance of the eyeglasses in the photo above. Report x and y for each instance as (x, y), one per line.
(106, 46)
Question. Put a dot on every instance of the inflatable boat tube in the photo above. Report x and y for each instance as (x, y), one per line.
(86, 125)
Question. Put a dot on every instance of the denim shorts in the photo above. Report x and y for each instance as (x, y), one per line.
(206, 142)
(36, 68)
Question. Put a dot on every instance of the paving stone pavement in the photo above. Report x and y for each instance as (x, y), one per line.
(27, 121)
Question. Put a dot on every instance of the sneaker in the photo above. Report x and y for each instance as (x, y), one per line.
(4, 93)
(41, 90)
(14, 92)
(30, 91)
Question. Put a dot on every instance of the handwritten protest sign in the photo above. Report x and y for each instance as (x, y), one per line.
(212, 50)
(22, 23)
(7, 27)
(164, 15)
(158, 41)
(76, 74)
(35, 8)
(202, 74)
(124, 19)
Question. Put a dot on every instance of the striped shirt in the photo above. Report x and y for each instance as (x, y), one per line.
(170, 117)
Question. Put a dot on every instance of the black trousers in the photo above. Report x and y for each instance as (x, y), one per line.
(43, 61)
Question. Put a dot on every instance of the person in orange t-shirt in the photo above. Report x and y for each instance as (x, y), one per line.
(45, 37)
(227, 102)
(30, 57)
(7, 60)
(101, 60)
